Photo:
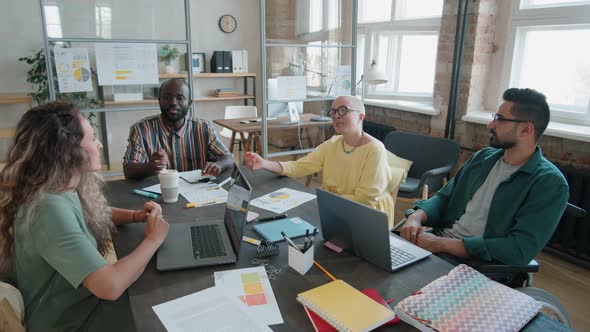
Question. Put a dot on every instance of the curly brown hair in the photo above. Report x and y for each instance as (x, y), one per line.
(47, 157)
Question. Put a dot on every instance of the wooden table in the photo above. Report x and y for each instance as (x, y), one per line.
(254, 129)
(155, 287)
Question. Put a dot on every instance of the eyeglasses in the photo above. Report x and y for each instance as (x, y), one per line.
(500, 117)
(342, 110)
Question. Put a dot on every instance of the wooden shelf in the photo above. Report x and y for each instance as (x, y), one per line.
(155, 101)
(212, 98)
(208, 75)
(15, 98)
(133, 102)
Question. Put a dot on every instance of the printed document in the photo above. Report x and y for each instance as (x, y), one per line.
(252, 288)
(211, 309)
(282, 200)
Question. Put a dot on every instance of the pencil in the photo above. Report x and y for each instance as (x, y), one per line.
(324, 270)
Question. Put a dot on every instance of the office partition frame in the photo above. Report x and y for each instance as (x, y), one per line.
(265, 46)
(101, 109)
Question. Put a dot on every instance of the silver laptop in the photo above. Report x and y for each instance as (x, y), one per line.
(211, 242)
(364, 231)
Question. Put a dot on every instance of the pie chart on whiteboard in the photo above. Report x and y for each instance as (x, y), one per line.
(81, 74)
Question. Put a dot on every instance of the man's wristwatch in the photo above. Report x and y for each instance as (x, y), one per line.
(408, 212)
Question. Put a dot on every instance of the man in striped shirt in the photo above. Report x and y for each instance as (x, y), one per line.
(173, 140)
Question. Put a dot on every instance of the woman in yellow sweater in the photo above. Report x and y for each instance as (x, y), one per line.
(354, 163)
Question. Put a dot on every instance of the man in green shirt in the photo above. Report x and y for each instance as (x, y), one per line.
(505, 201)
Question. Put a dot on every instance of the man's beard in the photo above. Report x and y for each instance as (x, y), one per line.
(173, 118)
(495, 143)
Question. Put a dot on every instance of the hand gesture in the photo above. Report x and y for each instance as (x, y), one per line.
(253, 161)
(156, 227)
(141, 215)
(160, 160)
(211, 169)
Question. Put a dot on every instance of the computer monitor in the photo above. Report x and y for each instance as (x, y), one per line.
(279, 109)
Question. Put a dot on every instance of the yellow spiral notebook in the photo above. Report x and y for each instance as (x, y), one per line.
(344, 307)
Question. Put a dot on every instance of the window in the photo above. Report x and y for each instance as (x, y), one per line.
(103, 18)
(53, 21)
(551, 53)
(402, 37)
(318, 16)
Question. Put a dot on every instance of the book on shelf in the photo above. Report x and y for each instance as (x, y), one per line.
(466, 300)
(320, 325)
(344, 307)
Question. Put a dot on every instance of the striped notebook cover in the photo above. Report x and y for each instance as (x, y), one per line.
(466, 300)
(344, 307)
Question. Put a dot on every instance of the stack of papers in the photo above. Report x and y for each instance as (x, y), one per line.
(241, 300)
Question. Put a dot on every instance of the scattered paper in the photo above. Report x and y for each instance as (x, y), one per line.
(252, 287)
(211, 309)
(196, 193)
(282, 200)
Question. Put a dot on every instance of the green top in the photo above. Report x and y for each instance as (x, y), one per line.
(53, 254)
(524, 211)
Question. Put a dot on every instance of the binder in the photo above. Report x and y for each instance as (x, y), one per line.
(293, 227)
(244, 61)
(227, 63)
(345, 308)
(236, 58)
(466, 300)
(217, 62)
(320, 325)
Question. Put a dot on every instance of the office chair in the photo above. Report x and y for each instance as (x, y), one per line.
(433, 158)
(518, 277)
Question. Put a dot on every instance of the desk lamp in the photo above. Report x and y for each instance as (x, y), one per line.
(373, 76)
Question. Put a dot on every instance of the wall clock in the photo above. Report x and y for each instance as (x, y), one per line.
(228, 23)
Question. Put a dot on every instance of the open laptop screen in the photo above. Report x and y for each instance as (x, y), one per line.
(237, 207)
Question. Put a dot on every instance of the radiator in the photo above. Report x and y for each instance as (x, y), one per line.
(571, 239)
(377, 130)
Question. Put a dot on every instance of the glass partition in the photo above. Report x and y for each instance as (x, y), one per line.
(304, 21)
(110, 19)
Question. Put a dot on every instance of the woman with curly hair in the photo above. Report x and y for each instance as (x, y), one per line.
(55, 226)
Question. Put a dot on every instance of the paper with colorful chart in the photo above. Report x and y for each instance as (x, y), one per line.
(282, 200)
(211, 309)
(252, 287)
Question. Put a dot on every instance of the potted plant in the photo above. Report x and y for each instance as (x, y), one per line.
(167, 55)
(37, 76)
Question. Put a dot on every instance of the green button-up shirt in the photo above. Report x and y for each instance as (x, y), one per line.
(524, 211)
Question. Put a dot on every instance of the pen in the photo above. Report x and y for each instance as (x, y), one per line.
(306, 239)
(145, 193)
(291, 243)
(315, 231)
(278, 216)
(196, 204)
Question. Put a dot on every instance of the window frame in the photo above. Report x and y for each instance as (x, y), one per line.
(537, 19)
(395, 26)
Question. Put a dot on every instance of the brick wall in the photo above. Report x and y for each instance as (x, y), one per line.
(475, 80)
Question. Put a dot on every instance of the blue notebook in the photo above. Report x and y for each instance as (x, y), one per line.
(293, 227)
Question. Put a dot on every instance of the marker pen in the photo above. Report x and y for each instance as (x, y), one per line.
(145, 193)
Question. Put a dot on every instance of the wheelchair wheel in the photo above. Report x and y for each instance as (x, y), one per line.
(551, 305)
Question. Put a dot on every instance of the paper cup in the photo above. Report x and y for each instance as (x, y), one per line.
(169, 185)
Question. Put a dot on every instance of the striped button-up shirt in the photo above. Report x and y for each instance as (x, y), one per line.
(188, 148)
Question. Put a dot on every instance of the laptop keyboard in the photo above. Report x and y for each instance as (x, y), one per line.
(207, 241)
(398, 256)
